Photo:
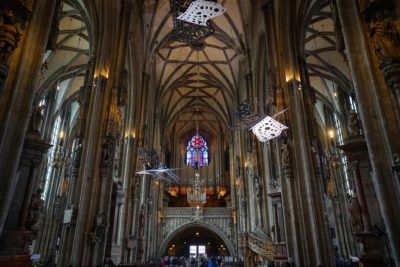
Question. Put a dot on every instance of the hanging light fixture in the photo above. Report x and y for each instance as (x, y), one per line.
(200, 11)
(268, 129)
(60, 158)
(197, 191)
(185, 29)
(221, 189)
(263, 126)
(173, 190)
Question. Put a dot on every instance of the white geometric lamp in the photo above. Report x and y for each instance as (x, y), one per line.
(200, 11)
(268, 129)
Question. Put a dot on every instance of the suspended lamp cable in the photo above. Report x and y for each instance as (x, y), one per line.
(197, 95)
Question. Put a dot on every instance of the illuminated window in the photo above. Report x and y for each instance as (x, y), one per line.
(353, 104)
(197, 150)
(51, 155)
(202, 250)
(343, 158)
(197, 250)
(193, 251)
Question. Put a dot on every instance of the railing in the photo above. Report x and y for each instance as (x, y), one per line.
(191, 211)
(219, 218)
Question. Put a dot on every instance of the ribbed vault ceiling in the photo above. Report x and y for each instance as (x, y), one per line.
(68, 61)
(196, 81)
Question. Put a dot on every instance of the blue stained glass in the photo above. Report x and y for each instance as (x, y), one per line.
(197, 142)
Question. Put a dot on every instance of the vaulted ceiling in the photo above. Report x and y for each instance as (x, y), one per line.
(196, 81)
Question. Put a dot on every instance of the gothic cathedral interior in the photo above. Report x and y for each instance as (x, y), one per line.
(200, 133)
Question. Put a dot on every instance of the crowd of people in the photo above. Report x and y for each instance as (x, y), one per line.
(200, 261)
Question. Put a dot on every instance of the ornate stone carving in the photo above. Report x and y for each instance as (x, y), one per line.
(391, 71)
(354, 124)
(115, 116)
(100, 228)
(177, 217)
(148, 156)
(131, 242)
(340, 46)
(285, 156)
(384, 27)
(396, 165)
(355, 215)
(34, 219)
(274, 185)
(107, 153)
(244, 108)
(13, 16)
(286, 160)
(243, 201)
(123, 89)
(258, 188)
(396, 160)
(36, 119)
(9, 35)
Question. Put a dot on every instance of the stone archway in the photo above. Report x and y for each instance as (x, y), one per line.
(210, 227)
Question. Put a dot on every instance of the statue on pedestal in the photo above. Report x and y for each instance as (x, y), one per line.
(36, 119)
(384, 28)
(34, 219)
(355, 216)
(354, 124)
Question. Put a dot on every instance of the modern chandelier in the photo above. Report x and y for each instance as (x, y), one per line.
(197, 191)
(191, 19)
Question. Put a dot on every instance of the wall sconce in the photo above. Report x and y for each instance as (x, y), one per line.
(59, 158)
(61, 138)
(331, 134)
(294, 82)
(237, 182)
(130, 135)
(100, 81)
(247, 164)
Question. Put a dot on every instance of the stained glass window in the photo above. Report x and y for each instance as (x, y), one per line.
(197, 150)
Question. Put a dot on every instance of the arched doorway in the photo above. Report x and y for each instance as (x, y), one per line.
(196, 239)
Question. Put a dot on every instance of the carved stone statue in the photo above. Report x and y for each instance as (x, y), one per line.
(37, 119)
(244, 203)
(354, 124)
(355, 215)
(123, 89)
(115, 116)
(244, 108)
(107, 153)
(330, 188)
(285, 156)
(100, 228)
(34, 219)
(9, 35)
(258, 189)
(315, 155)
(384, 29)
(396, 159)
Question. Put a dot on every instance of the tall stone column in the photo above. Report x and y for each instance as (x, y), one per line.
(25, 215)
(88, 238)
(336, 193)
(66, 240)
(289, 196)
(378, 113)
(307, 221)
(18, 89)
(363, 207)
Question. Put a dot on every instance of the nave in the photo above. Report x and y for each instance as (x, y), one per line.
(257, 132)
